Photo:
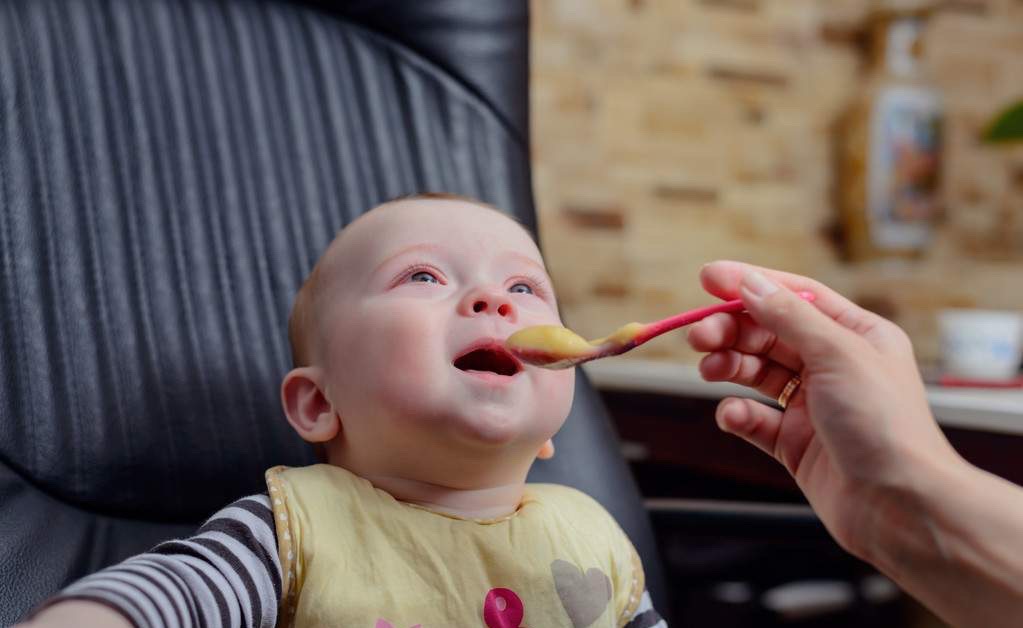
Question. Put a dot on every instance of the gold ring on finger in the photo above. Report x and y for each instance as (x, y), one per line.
(790, 389)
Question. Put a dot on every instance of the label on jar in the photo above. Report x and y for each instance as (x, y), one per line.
(903, 167)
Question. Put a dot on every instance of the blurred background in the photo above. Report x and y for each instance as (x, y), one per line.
(668, 133)
(841, 139)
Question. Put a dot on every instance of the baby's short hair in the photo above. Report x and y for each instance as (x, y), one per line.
(303, 318)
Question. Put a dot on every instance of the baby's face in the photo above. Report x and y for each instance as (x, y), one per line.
(414, 289)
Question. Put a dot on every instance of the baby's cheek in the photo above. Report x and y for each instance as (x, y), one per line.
(404, 356)
(556, 391)
(406, 395)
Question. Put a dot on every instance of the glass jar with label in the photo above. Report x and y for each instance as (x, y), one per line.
(890, 143)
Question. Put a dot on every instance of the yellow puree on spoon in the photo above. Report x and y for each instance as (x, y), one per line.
(553, 346)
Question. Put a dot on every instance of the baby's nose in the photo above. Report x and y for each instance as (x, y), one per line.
(488, 302)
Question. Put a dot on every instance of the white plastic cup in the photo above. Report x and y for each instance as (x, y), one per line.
(981, 344)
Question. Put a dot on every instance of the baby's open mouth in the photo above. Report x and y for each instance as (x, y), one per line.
(494, 358)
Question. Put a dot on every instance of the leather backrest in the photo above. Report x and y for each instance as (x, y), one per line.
(169, 173)
(481, 43)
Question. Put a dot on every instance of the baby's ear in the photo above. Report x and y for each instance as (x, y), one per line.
(547, 451)
(307, 408)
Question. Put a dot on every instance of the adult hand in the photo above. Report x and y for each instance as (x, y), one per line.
(859, 438)
(858, 430)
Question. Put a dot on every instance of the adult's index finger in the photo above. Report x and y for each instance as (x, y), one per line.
(722, 279)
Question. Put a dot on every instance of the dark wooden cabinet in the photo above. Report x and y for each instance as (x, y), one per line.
(734, 529)
(677, 450)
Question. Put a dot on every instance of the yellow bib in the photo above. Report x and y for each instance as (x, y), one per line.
(353, 556)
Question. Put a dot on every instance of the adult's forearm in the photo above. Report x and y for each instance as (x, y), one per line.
(953, 538)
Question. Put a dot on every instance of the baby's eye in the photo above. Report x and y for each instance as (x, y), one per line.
(423, 277)
(521, 288)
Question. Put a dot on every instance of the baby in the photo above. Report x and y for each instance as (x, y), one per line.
(427, 426)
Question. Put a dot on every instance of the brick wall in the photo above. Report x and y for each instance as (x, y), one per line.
(668, 133)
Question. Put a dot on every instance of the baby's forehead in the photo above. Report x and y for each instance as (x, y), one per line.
(393, 226)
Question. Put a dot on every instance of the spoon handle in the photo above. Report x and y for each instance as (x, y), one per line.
(652, 330)
(685, 318)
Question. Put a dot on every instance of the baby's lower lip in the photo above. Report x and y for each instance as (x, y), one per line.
(490, 376)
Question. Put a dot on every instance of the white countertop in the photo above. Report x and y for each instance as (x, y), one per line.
(993, 410)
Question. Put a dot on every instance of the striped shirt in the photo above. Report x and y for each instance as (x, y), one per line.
(228, 574)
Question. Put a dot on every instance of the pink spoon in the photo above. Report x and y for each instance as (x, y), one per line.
(554, 347)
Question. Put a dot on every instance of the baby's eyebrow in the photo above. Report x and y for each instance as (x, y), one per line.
(424, 247)
(429, 247)
(527, 260)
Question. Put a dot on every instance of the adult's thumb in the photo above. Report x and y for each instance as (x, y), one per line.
(794, 320)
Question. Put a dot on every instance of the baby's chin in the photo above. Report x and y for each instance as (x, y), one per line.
(506, 421)
(491, 427)
(480, 417)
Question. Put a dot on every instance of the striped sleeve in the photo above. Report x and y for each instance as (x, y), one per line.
(228, 574)
(646, 616)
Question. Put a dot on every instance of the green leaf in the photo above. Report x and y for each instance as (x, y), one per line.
(1008, 126)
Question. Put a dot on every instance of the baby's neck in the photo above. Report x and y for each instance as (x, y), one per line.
(488, 502)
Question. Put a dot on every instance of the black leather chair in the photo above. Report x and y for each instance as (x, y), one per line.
(169, 172)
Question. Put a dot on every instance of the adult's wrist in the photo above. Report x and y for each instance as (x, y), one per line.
(953, 543)
(904, 522)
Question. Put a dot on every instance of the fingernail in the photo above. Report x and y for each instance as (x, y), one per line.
(758, 284)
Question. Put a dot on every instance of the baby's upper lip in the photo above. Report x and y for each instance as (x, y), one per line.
(488, 354)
